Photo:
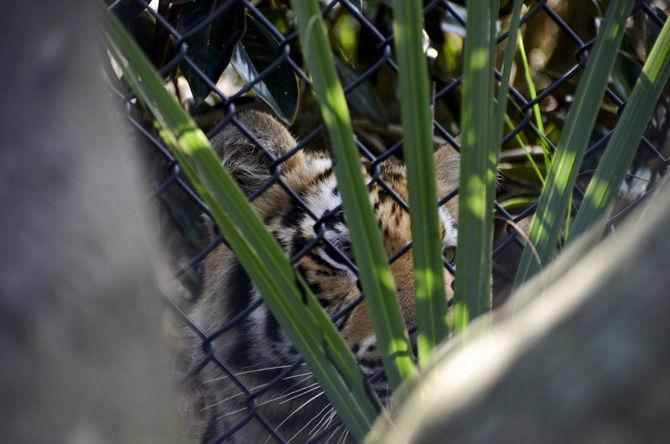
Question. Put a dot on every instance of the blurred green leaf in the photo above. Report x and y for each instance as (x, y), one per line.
(522, 172)
(539, 124)
(604, 186)
(375, 275)
(417, 123)
(255, 52)
(634, 46)
(548, 222)
(652, 30)
(210, 48)
(626, 68)
(479, 151)
(283, 289)
(517, 203)
(363, 99)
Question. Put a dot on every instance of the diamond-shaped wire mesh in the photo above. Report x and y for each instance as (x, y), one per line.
(178, 209)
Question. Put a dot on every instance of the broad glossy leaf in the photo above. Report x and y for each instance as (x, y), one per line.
(254, 53)
(363, 99)
(143, 29)
(210, 48)
(127, 9)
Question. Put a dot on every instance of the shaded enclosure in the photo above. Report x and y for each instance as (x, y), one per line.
(266, 72)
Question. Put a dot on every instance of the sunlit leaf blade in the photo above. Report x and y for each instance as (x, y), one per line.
(287, 296)
(417, 122)
(547, 223)
(604, 186)
(375, 275)
(498, 120)
(211, 47)
(508, 61)
(532, 95)
(257, 51)
(473, 271)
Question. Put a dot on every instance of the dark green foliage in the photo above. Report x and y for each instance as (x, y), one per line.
(363, 99)
(211, 47)
(257, 51)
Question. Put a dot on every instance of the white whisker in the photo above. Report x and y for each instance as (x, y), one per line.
(315, 386)
(344, 436)
(333, 414)
(263, 385)
(247, 372)
(300, 381)
(324, 419)
(298, 375)
(299, 408)
(305, 390)
(333, 434)
(290, 390)
(310, 421)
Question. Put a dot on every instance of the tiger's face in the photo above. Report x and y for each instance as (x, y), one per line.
(310, 226)
(329, 267)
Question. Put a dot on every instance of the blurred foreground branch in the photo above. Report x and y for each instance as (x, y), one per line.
(82, 359)
(579, 354)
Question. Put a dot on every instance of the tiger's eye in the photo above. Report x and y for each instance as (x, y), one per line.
(343, 248)
(449, 253)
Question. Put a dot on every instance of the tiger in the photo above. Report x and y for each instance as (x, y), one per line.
(255, 349)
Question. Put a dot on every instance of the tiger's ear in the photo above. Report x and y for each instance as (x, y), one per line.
(243, 156)
(447, 174)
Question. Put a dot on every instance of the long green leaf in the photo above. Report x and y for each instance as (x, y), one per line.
(603, 188)
(493, 154)
(478, 153)
(375, 275)
(547, 223)
(417, 122)
(492, 148)
(532, 95)
(287, 296)
(508, 61)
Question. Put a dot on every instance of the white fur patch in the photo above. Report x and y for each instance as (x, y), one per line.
(323, 199)
(450, 230)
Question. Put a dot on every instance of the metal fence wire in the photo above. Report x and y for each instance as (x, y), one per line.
(178, 210)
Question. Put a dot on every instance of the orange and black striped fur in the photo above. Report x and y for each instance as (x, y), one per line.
(256, 349)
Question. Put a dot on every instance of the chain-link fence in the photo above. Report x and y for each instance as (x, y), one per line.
(266, 72)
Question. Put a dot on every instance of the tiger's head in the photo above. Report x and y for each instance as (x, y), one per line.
(294, 191)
